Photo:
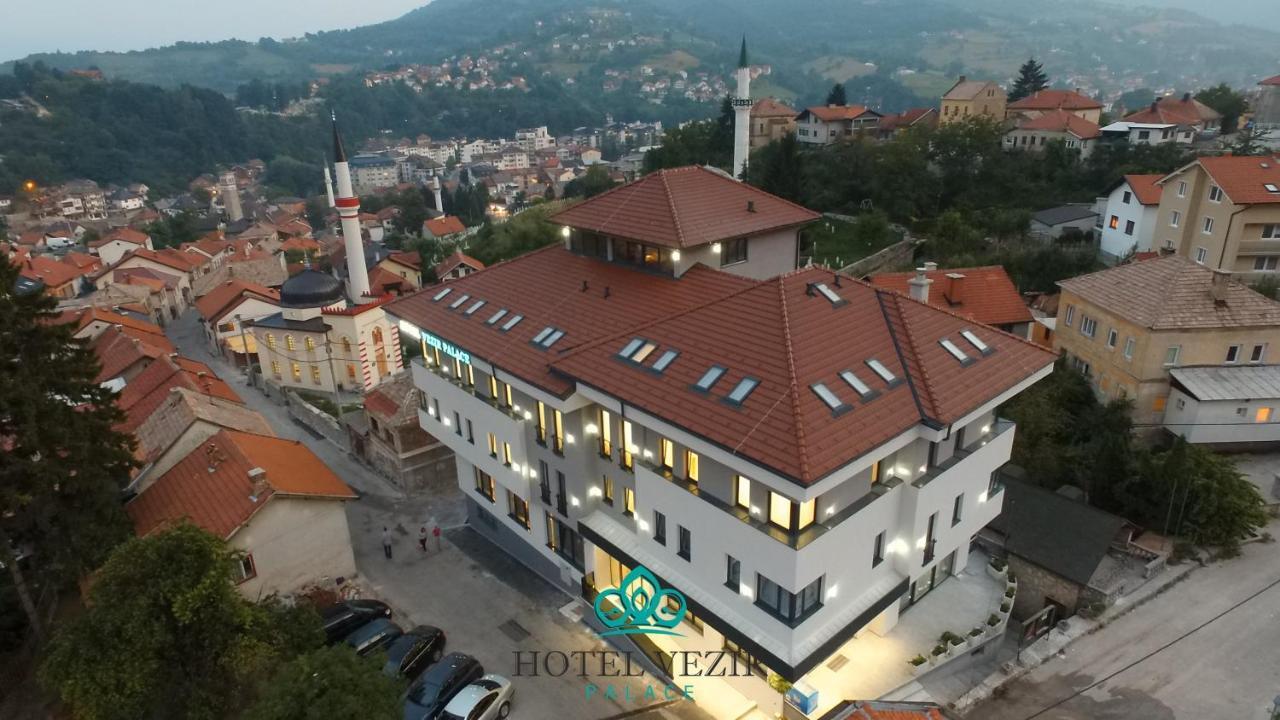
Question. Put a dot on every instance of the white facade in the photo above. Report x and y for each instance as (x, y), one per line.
(294, 542)
(1223, 422)
(1150, 133)
(1127, 225)
(111, 252)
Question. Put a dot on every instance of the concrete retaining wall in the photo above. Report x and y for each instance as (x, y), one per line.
(891, 258)
(314, 418)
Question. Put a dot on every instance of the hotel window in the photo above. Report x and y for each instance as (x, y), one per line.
(606, 492)
(1202, 254)
(685, 548)
(1128, 348)
(790, 608)
(691, 466)
(779, 510)
(1207, 228)
(1259, 351)
(315, 375)
(1263, 415)
(733, 573)
(877, 552)
(659, 527)
(733, 251)
(876, 470)
(542, 422)
(628, 502)
(606, 433)
(666, 454)
(309, 343)
(493, 389)
(552, 540)
(275, 368)
(1114, 223)
(1271, 232)
(297, 372)
(957, 510)
(557, 419)
(742, 493)
(544, 481)
(626, 446)
(1215, 194)
(1233, 353)
(457, 423)
(1171, 355)
(493, 445)
(506, 454)
(271, 341)
(471, 436)
(485, 485)
(518, 509)
(506, 396)
(289, 344)
(1175, 219)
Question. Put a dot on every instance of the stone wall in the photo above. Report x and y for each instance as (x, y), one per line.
(1035, 584)
(314, 418)
(431, 471)
(891, 258)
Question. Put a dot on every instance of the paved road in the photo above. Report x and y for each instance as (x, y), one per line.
(1228, 669)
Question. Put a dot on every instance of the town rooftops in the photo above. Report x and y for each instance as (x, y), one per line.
(906, 118)
(444, 225)
(985, 294)
(684, 207)
(966, 89)
(223, 483)
(213, 305)
(769, 107)
(445, 266)
(775, 340)
(124, 234)
(1062, 121)
(145, 392)
(1228, 382)
(52, 273)
(184, 406)
(407, 259)
(1145, 188)
(1055, 100)
(1246, 179)
(836, 113)
(1184, 110)
(1064, 536)
(117, 351)
(1173, 292)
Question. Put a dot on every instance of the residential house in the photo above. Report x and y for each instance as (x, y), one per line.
(272, 500)
(442, 227)
(1184, 110)
(176, 265)
(891, 125)
(770, 120)
(113, 246)
(458, 264)
(1127, 327)
(123, 356)
(1266, 109)
(1228, 407)
(826, 124)
(1223, 212)
(1064, 221)
(397, 446)
(1035, 131)
(180, 424)
(228, 309)
(983, 294)
(1044, 102)
(150, 388)
(91, 322)
(1128, 217)
(1145, 133)
(59, 279)
(371, 172)
(973, 98)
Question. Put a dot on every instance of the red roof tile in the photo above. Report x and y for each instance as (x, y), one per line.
(176, 259)
(769, 107)
(214, 304)
(1062, 121)
(1271, 81)
(1145, 188)
(118, 351)
(985, 294)
(145, 392)
(211, 486)
(834, 113)
(442, 226)
(408, 259)
(906, 118)
(1245, 178)
(684, 207)
(1175, 110)
(382, 281)
(83, 262)
(125, 234)
(52, 273)
(1055, 100)
(457, 258)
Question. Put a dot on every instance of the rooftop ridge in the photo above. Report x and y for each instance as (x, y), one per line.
(793, 387)
(671, 202)
(897, 348)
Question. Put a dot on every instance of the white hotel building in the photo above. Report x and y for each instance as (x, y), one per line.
(800, 454)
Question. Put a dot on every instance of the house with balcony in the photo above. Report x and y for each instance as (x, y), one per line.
(827, 124)
(802, 455)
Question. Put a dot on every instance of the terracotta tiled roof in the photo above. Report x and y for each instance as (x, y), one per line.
(177, 260)
(153, 279)
(408, 259)
(117, 351)
(1172, 109)
(787, 335)
(834, 113)
(125, 234)
(52, 273)
(395, 401)
(769, 107)
(965, 89)
(985, 294)
(300, 243)
(1271, 81)
(181, 408)
(1244, 178)
(213, 305)
(1172, 292)
(684, 207)
(906, 118)
(454, 260)
(83, 262)
(445, 225)
(92, 314)
(1062, 121)
(211, 487)
(892, 711)
(144, 393)
(382, 280)
(1145, 188)
(1055, 100)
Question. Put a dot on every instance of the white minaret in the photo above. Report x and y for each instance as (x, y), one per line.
(349, 212)
(435, 187)
(230, 196)
(742, 115)
(328, 184)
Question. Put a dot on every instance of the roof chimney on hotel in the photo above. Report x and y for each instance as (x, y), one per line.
(1218, 287)
(930, 266)
(919, 285)
(955, 288)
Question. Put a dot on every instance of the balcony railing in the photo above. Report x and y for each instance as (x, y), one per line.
(998, 428)
(469, 389)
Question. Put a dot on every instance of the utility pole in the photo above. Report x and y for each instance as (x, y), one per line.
(248, 361)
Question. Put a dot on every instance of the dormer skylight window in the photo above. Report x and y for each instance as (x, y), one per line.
(666, 359)
(440, 295)
(1271, 187)
(742, 390)
(835, 404)
(495, 317)
(709, 378)
(515, 320)
(552, 338)
(645, 350)
(630, 348)
(975, 342)
(542, 334)
(474, 307)
(458, 303)
(879, 369)
(829, 294)
(956, 352)
(856, 383)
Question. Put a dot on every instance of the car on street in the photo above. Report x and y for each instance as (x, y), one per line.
(485, 699)
(339, 620)
(414, 651)
(373, 636)
(427, 698)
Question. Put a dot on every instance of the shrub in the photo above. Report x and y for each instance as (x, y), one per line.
(950, 637)
(918, 660)
(998, 564)
(975, 632)
(939, 650)
(1004, 607)
(994, 620)
(777, 682)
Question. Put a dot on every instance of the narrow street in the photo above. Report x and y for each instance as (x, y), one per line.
(1171, 665)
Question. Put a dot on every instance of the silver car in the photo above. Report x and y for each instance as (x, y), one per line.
(485, 699)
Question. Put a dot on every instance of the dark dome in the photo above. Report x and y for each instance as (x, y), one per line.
(310, 289)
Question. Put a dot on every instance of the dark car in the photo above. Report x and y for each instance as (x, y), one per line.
(428, 696)
(373, 636)
(339, 620)
(414, 651)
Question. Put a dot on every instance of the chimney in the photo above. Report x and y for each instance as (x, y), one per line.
(955, 288)
(1186, 97)
(919, 285)
(930, 266)
(1154, 104)
(962, 79)
(258, 479)
(1218, 287)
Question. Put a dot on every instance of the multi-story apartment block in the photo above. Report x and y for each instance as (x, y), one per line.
(531, 139)
(973, 98)
(1223, 212)
(369, 172)
(1266, 109)
(1128, 216)
(800, 454)
(1127, 327)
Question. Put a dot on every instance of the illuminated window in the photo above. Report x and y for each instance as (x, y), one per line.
(1263, 415)
(542, 421)
(485, 485)
(628, 501)
(806, 511)
(691, 466)
(742, 493)
(315, 375)
(606, 433)
(666, 453)
(289, 344)
(493, 388)
(309, 343)
(558, 427)
(1158, 404)
(875, 472)
(297, 372)
(626, 445)
(275, 368)
(493, 445)
(351, 371)
(1115, 222)
(506, 453)
(271, 341)
(607, 492)
(779, 510)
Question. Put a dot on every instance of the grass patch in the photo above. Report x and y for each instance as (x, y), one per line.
(836, 243)
(839, 68)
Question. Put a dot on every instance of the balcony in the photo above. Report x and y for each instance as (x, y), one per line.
(987, 445)
(1259, 247)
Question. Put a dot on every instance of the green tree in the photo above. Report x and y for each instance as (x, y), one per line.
(595, 181)
(778, 168)
(331, 683)
(1136, 99)
(166, 634)
(1250, 141)
(1197, 494)
(1228, 102)
(63, 464)
(837, 95)
(317, 211)
(1031, 79)
(172, 231)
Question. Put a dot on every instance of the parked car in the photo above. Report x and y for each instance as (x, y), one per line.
(485, 699)
(428, 696)
(413, 652)
(339, 620)
(373, 636)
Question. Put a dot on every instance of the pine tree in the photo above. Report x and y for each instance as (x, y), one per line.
(63, 465)
(837, 95)
(1031, 79)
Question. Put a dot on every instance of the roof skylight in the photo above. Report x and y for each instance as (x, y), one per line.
(496, 317)
(552, 338)
(458, 303)
(743, 389)
(665, 360)
(975, 342)
(856, 383)
(474, 307)
(645, 349)
(879, 369)
(630, 348)
(834, 403)
(440, 295)
(515, 320)
(709, 378)
(1271, 187)
(956, 352)
(542, 334)
(829, 294)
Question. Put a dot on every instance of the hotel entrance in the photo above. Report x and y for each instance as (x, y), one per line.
(936, 575)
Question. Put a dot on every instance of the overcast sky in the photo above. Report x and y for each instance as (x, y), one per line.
(28, 26)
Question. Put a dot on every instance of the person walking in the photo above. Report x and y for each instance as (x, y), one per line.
(386, 542)
(422, 538)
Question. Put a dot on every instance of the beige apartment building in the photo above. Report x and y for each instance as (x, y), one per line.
(1128, 326)
(1223, 212)
(971, 98)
